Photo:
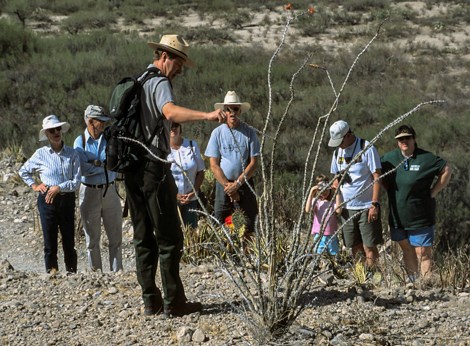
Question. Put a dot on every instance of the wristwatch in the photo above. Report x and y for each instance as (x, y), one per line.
(376, 204)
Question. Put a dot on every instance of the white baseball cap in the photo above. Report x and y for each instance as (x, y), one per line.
(337, 131)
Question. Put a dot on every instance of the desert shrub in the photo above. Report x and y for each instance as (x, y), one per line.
(82, 20)
(452, 266)
(206, 34)
(365, 5)
(342, 17)
(65, 7)
(311, 26)
(217, 6)
(16, 44)
(452, 228)
(21, 9)
(137, 11)
(238, 19)
(461, 13)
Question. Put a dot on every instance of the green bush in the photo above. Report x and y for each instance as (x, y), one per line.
(83, 20)
(206, 34)
(365, 5)
(314, 25)
(16, 45)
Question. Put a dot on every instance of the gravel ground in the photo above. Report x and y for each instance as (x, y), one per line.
(90, 308)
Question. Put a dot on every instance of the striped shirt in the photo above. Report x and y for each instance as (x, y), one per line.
(61, 169)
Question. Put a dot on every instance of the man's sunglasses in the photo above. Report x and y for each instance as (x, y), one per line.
(232, 109)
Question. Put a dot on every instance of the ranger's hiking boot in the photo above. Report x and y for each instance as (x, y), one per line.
(182, 310)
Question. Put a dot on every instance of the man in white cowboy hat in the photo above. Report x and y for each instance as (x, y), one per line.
(98, 196)
(364, 232)
(58, 166)
(233, 150)
(151, 191)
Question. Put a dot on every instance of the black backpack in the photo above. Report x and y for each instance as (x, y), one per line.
(122, 155)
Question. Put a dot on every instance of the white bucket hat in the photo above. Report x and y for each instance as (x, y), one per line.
(95, 112)
(51, 122)
(174, 44)
(232, 99)
(337, 131)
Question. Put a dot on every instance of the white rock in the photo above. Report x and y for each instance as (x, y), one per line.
(184, 334)
(198, 336)
(366, 336)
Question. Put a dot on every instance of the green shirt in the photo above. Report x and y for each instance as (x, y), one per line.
(409, 188)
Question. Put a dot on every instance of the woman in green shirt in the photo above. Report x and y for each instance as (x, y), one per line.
(411, 192)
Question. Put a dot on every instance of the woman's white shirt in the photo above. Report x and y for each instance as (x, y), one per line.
(188, 159)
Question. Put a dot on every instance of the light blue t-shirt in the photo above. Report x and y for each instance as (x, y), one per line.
(234, 147)
(360, 173)
(189, 158)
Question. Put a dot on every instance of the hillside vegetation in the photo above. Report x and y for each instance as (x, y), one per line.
(59, 56)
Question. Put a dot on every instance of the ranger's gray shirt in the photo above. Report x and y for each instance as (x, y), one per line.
(157, 92)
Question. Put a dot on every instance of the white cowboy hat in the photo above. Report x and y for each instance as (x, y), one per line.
(51, 122)
(174, 44)
(95, 112)
(232, 99)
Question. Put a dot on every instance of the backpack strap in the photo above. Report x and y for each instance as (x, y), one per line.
(191, 146)
(362, 145)
(83, 141)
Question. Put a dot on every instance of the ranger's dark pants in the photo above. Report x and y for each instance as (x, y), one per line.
(151, 194)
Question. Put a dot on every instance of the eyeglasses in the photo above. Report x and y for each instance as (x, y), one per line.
(54, 129)
(232, 109)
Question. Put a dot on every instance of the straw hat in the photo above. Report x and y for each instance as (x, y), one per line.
(51, 122)
(232, 99)
(174, 44)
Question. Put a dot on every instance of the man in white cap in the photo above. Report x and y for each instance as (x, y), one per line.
(364, 232)
(98, 196)
(233, 150)
(151, 190)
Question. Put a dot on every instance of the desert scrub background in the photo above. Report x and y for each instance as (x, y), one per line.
(59, 56)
